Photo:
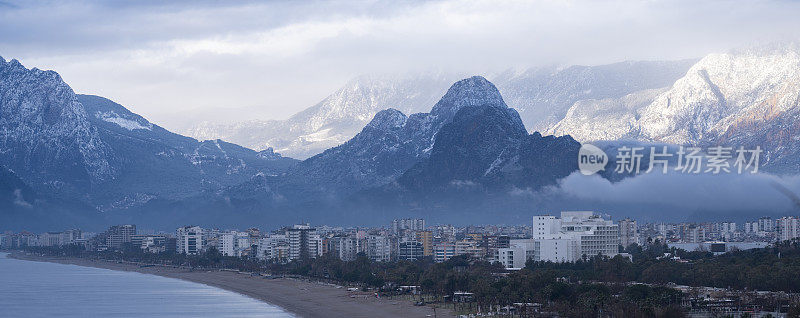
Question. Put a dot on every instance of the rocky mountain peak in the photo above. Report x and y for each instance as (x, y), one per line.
(388, 119)
(39, 111)
(473, 91)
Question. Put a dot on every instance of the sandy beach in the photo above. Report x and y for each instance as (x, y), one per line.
(300, 297)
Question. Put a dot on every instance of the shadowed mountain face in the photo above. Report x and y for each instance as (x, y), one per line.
(470, 146)
(21, 207)
(489, 147)
(47, 137)
(388, 146)
(183, 166)
(469, 140)
(96, 154)
(71, 156)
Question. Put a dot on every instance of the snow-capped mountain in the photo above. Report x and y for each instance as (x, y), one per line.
(742, 98)
(723, 90)
(470, 139)
(47, 136)
(605, 119)
(542, 96)
(390, 144)
(92, 149)
(335, 119)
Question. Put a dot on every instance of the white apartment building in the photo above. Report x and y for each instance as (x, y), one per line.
(511, 258)
(573, 236)
(345, 247)
(787, 228)
(58, 238)
(303, 242)
(274, 247)
(189, 240)
(233, 243)
(400, 225)
(765, 224)
(379, 248)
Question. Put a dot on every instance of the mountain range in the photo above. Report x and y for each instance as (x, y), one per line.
(541, 95)
(745, 98)
(84, 161)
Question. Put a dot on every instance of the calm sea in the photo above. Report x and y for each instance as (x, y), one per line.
(38, 289)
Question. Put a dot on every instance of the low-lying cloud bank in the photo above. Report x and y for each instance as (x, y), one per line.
(679, 196)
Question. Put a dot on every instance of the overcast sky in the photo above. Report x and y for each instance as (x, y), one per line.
(276, 58)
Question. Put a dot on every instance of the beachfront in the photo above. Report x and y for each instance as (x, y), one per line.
(299, 297)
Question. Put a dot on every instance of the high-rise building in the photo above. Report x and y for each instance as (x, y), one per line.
(471, 248)
(190, 240)
(787, 228)
(628, 232)
(345, 247)
(119, 234)
(233, 243)
(303, 242)
(400, 225)
(274, 247)
(379, 248)
(765, 224)
(426, 238)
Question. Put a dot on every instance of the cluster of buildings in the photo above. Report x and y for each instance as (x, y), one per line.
(568, 238)
(571, 236)
(764, 229)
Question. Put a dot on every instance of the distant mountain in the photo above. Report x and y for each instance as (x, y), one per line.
(389, 145)
(743, 98)
(542, 96)
(469, 138)
(92, 150)
(335, 119)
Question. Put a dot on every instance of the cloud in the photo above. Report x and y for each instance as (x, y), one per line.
(685, 194)
(275, 58)
(20, 200)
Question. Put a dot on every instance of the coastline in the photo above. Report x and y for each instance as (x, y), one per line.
(298, 297)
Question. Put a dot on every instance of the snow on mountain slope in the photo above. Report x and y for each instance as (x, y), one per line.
(748, 98)
(128, 124)
(717, 94)
(390, 144)
(604, 119)
(335, 119)
(47, 137)
(542, 96)
(89, 149)
(721, 90)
